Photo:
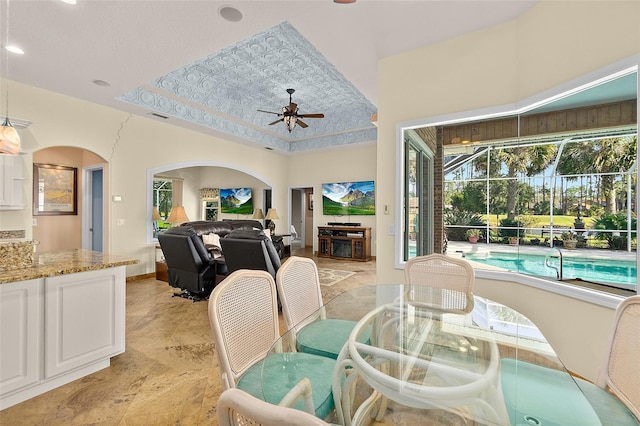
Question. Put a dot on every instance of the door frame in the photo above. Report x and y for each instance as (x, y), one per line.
(87, 210)
(303, 206)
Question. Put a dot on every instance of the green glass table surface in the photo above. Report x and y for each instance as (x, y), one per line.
(409, 349)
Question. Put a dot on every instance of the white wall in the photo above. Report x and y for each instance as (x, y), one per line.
(554, 42)
(134, 145)
(343, 164)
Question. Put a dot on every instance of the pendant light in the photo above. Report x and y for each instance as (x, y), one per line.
(9, 138)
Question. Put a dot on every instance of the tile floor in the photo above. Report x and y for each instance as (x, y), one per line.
(168, 374)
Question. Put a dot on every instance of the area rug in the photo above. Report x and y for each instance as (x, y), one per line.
(330, 277)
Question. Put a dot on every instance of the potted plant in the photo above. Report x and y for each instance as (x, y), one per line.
(509, 230)
(569, 240)
(473, 235)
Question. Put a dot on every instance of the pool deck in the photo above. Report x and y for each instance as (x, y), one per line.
(458, 248)
(454, 247)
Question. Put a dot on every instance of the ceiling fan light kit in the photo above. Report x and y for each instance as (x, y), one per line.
(289, 115)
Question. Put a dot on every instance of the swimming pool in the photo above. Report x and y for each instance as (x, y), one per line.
(607, 271)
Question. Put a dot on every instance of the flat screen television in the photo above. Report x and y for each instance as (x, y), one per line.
(236, 200)
(348, 198)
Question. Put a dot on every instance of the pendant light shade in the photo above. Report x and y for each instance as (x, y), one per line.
(9, 139)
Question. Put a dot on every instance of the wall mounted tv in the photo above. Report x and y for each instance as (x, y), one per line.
(348, 198)
(236, 200)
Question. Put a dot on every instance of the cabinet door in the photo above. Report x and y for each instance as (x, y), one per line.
(358, 249)
(323, 246)
(20, 342)
(84, 317)
(11, 182)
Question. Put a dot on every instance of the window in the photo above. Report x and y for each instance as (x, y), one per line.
(418, 190)
(531, 183)
(163, 196)
(166, 193)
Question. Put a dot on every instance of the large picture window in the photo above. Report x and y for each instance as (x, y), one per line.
(548, 191)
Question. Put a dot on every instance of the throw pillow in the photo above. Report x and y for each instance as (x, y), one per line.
(211, 239)
(212, 244)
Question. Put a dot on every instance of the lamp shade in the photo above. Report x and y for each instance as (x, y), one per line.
(177, 215)
(155, 214)
(9, 139)
(272, 214)
(257, 214)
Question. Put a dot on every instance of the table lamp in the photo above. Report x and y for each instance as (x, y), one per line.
(271, 215)
(155, 217)
(257, 214)
(177, 215)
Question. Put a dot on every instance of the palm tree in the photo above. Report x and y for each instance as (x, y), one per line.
(523, 159)
(608, 155)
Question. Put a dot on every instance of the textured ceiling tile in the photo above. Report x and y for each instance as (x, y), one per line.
(234, 83)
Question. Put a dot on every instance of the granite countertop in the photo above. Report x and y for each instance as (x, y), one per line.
(62, 262)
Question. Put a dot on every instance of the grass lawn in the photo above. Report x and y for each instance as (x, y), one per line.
(536, 221)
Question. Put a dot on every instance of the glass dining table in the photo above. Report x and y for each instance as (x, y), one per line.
(412, 359)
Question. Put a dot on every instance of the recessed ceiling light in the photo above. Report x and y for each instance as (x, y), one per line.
(69, 1)
(101, 83)
(14, 49)
(231, 14)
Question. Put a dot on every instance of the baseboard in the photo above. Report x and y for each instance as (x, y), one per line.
(141, 277)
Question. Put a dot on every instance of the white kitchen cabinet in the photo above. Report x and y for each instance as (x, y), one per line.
(58, 329)
(11, 182)
(20, 328)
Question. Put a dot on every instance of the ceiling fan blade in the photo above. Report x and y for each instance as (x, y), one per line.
(311, 115)
(301, 123)
(277, 121)
(269, 112)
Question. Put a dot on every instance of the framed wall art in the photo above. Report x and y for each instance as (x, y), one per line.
(236, 200)
(349, 198)
(55, 190)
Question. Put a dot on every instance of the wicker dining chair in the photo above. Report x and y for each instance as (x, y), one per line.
(621, 370)
(615, 396)
(237, 407)
(301, 298)
(243, 313)
(440, 281)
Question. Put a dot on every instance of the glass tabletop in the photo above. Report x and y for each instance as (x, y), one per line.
(411, 349)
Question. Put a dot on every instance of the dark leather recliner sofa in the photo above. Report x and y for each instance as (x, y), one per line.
(191, 265)
(250, 249)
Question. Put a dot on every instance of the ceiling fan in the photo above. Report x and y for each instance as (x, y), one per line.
(290, 115)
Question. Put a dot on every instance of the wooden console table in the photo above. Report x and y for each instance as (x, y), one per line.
(161, 266)
(344, 242)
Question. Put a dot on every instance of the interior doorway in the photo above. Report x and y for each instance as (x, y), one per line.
(301, 215)
(93, 200)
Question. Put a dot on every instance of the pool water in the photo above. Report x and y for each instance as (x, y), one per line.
(606, 271)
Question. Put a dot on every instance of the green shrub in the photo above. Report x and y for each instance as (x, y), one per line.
(615, 240)
(463, 218)
(510, 223)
